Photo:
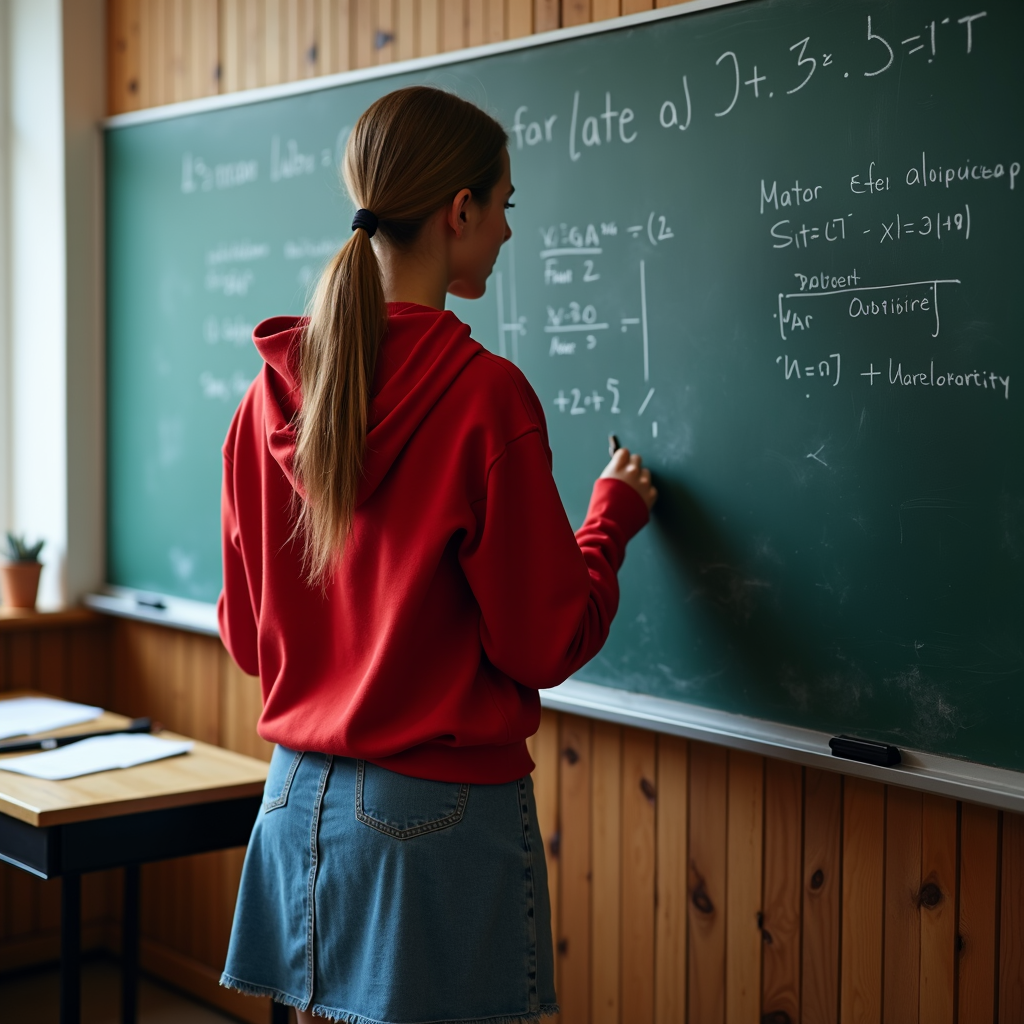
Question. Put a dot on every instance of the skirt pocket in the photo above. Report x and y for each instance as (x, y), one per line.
(403, 807)
(283, 765)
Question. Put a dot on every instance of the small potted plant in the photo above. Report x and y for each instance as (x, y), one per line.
(19, 578)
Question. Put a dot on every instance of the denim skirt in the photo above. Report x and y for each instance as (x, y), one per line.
(376, 898)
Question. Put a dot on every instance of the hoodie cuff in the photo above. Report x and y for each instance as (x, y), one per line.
(616, 500)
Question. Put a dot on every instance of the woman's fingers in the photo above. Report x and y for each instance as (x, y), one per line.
(629, 468)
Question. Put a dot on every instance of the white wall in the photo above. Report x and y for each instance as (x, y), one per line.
(54, 396)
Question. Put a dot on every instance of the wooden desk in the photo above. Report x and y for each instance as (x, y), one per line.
(201, 801)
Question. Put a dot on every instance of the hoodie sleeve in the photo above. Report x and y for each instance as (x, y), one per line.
(547, 598)
(234, 607)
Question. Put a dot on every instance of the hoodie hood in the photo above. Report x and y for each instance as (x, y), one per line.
(423, 351)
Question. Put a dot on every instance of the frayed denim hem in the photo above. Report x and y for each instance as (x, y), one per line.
(344, 1017)
(248, 989)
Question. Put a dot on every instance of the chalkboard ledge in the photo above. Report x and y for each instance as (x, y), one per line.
(146, 606)
(931, 773)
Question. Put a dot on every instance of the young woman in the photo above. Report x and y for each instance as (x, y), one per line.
(400, 573)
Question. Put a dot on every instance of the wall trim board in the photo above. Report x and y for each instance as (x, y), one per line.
(272, 92)
(930, 773)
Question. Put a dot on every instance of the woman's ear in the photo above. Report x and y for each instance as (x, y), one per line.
(458, 212)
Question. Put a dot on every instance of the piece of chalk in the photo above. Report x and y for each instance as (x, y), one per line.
(613, 444)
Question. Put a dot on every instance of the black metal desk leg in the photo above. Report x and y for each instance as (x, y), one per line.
(130, 945)
(70, 949)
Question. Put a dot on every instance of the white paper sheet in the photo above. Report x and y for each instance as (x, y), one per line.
(98, 754)
(22, 716)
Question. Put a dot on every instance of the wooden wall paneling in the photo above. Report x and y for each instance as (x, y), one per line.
(273, 40)
(519, 18)
(150, 47)
(860, 998)
(639, 798)
(671, 891)
(476, 22)
(406, 29)
(575, 12)
(89, 678)
(706, 883)
(744, 871)
(255, 43)
(333, 36)
(635, 6)
(23, 662)
(453, 25)
(306, 39)
(52, 662)
(200, 685)
(240, 709)
(364, 26)
(429, 28)
(783, 873)
(979, 872)
(230, 35)
(200, 29)
(609, 899)
(573, 949)
(384, 32)
(547, 15)
(1011, 921)
(122, 56)
(545, 751)
(823, 817)
(938, 909)
(495, 17)
(243, 47)
(902, 925)
(600, 10)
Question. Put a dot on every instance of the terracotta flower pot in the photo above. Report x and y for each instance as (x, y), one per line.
(20, 583)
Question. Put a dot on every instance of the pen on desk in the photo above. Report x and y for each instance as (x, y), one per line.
(51, 742)
(613, 444)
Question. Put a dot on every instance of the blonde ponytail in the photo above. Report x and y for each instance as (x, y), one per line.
(408, 155)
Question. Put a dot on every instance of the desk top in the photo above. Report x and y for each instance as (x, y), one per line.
(205, 775)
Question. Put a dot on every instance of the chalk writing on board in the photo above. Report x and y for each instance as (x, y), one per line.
(967, 171)
(950, 223)
(799, 369)
(876, 304)
(512, 327)
(531, 132)
(292, 163)
(795, 196)
(198, 175)
(233, 330)
(833, 230)
(973, 379)
(616, 126)
(738, 75)
(237, 252)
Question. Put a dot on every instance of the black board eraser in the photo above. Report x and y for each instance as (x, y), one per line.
(867, 751)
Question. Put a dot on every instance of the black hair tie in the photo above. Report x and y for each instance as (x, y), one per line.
(366, 220)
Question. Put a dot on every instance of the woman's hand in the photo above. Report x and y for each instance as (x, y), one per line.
(630, 470)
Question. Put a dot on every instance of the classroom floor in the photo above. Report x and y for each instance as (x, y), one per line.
(32, 997)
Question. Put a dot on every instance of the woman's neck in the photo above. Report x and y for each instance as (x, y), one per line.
(420, 273)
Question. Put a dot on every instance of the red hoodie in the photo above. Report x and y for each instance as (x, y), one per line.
(462, 590)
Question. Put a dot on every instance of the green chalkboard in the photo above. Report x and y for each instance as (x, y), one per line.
(774, 246)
